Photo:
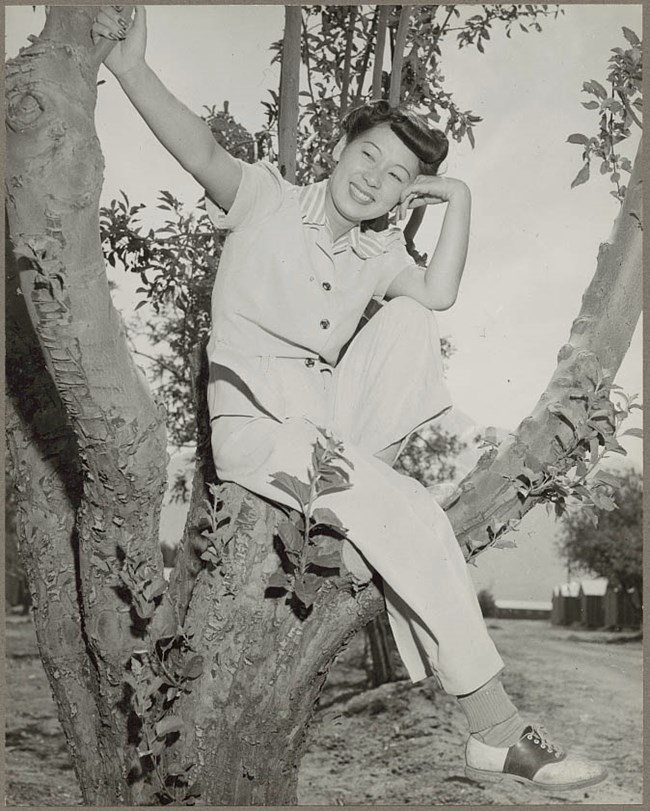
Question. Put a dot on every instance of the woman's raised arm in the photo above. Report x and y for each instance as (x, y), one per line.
(183, 133)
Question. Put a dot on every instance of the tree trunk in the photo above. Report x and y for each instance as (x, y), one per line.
(382, 651)
(54, 181)
(88, 446)
(347, 61)
(395, 91)
(43, 449)
(289, 89)
(380, 49)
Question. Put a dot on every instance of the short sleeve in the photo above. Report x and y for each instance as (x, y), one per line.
(260, 193)
(389, 265)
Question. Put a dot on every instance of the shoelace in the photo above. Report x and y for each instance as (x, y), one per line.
(541, 734)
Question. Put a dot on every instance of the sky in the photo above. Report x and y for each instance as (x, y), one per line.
(534, 240)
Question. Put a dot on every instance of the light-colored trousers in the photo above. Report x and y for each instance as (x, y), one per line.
(388, 383)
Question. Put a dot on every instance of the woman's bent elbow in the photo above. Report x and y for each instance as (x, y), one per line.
(441, 302)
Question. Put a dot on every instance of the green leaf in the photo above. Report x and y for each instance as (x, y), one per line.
(157, 587)
(325, 547)
(306, 588)
(168, 725)
(637, 432)
(279, 580)
(291, 537)
(195, 790)
(327, 517)
(607, 478)
(603, 501)
(630, 36)
(332, 561)
(504, 543)
(335, 487)
(293, 486)
(596, 88)
(591, 105)
(581, 177)
(581, 492)
(578, 138)
(614, 447)
(193, 668)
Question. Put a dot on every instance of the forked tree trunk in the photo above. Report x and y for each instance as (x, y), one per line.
(88, 447)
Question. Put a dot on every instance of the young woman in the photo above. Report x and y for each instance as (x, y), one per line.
(296, 273)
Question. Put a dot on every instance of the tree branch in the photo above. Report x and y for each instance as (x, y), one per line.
(289, 89)
(366, 55)
(599, 339)
(347, 60)
(398, 56)
(380, 48)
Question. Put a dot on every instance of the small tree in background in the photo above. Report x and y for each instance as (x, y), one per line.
(610, 542)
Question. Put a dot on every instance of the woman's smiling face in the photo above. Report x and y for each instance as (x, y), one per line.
(371, 175)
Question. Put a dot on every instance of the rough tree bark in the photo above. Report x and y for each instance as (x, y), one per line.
(289, 86)
(53, 184)
(395, 90)
(380, 48)
(88, 444)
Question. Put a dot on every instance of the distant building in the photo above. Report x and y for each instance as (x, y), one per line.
(523, 609)
(566, 604)
(622, 608)
(595, 604)
(592, 602)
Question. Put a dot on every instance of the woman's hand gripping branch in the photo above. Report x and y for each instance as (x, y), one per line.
(130, 37)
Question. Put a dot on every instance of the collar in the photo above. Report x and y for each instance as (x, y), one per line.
(365, 244)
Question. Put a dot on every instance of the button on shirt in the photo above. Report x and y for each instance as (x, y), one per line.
(285, 288)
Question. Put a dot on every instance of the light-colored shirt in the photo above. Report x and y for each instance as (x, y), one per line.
(284, 288)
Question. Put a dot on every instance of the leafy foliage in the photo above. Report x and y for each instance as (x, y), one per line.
(158, 671)
(595, 415)
(218, 534)
(310, 545)
(338, 51)
(618, 109)
(614, 549)
(576, 474)
(177, 264)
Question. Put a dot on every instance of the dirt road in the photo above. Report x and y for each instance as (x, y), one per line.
(399, 744)
(404, 745)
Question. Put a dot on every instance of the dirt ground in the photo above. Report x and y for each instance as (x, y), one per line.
(398, 744)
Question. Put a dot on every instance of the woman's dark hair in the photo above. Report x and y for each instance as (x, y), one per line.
(427, 143)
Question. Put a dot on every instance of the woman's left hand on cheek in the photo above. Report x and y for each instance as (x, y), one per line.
(427, 190)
